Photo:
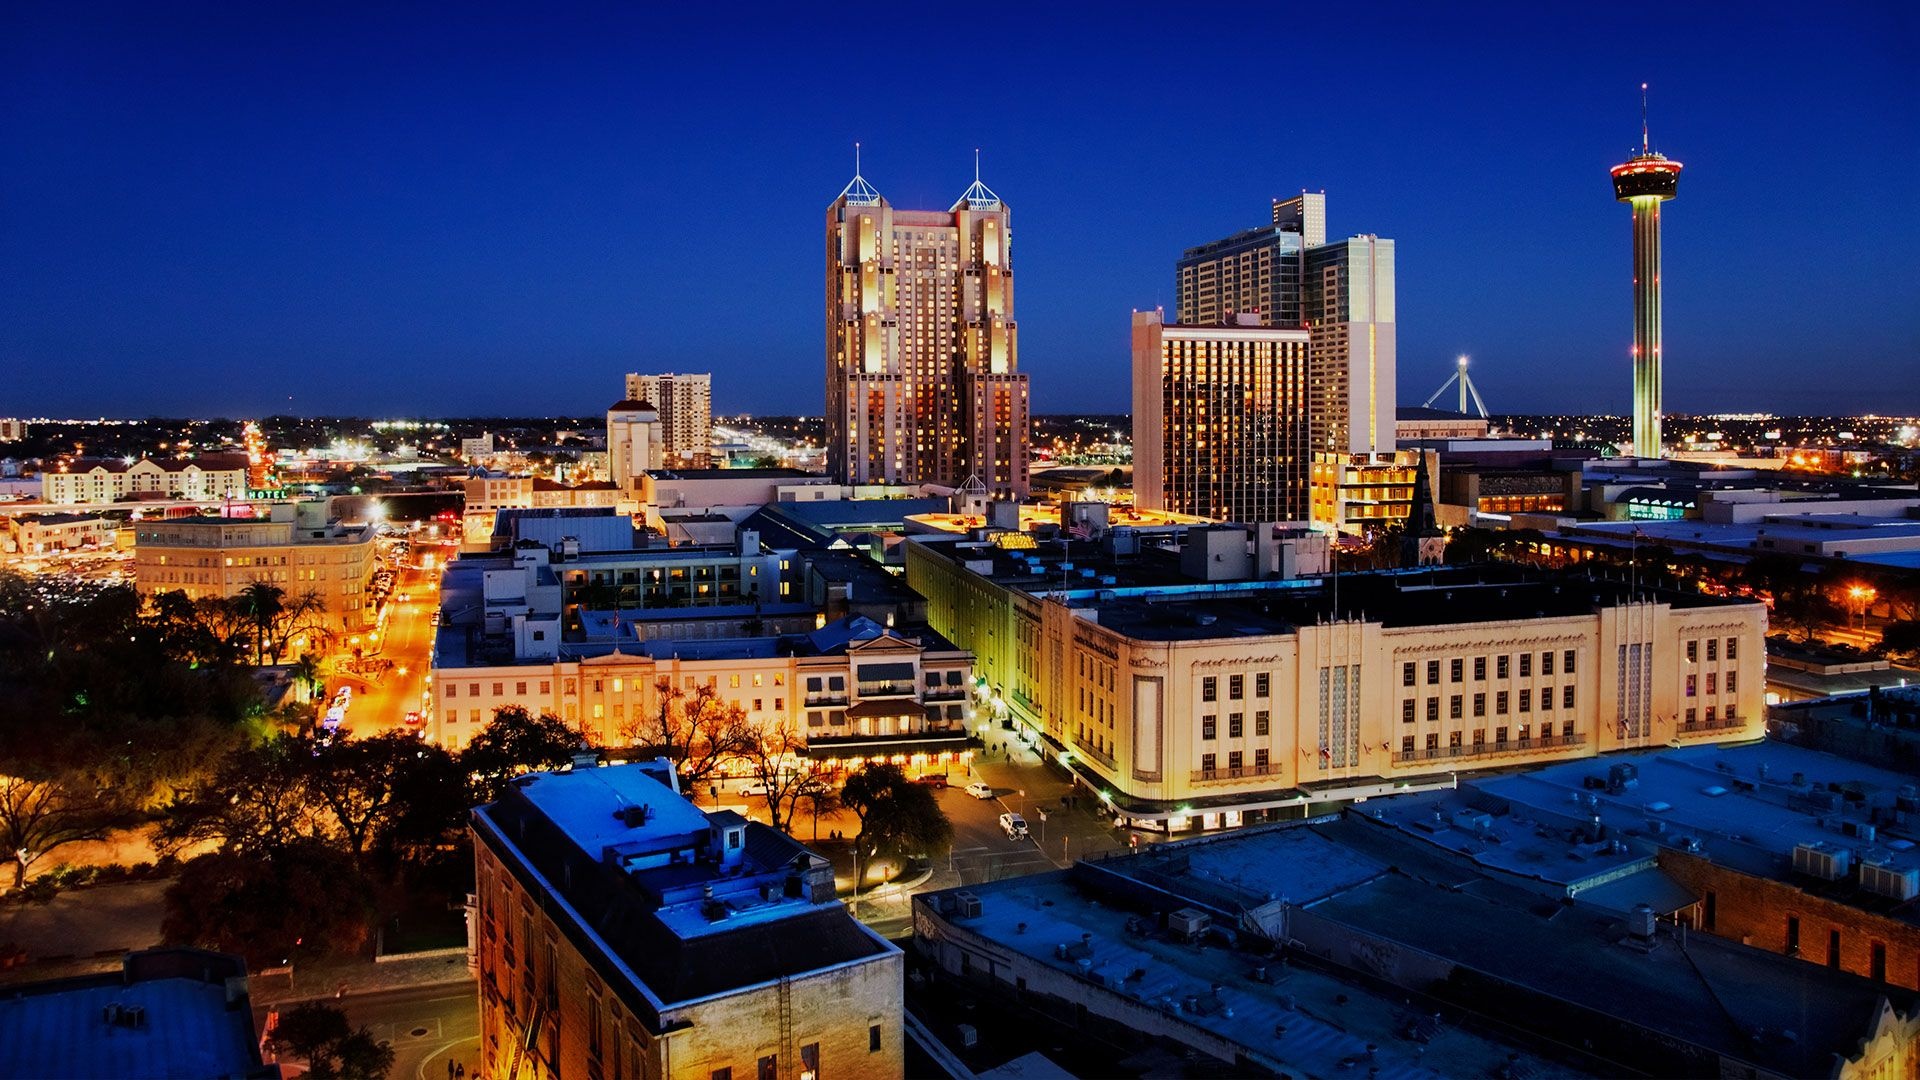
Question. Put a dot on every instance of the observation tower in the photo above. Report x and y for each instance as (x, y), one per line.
(1644, 181)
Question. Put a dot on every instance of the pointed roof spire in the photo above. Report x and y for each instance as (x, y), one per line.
(978, 196)
(858, 192)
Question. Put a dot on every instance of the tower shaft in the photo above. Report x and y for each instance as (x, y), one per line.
(1646, 327)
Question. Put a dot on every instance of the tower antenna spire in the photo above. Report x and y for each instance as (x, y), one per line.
(856, 153)
(976, 164)
(1646, 144)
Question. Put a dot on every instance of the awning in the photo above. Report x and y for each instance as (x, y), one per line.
(886, 672)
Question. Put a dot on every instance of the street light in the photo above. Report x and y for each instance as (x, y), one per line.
(1862, 595)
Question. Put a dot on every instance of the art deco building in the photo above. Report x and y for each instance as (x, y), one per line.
(1220, 419)
(1219, 700)
(685, 404)
(923, 382)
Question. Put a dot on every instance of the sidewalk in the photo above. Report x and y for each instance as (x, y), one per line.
(350, 977)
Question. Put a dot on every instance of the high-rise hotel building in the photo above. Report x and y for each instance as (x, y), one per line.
(1220, 419)
(923, 383)
(685, 405)
(1286, 274)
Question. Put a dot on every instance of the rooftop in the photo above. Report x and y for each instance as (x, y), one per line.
(1300, 1019)
(167, 1014)
(666, 902)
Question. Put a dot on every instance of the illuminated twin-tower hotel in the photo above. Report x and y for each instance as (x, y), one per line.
(1645, 181)
(922, 365)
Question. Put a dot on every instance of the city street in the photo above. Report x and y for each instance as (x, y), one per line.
(425, 1025)
(406, 639)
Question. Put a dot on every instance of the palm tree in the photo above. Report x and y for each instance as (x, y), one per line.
(261, 604)
(306, 672)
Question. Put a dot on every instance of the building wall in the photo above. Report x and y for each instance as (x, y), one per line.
(545, 1009)
(34, 536)
(922, 347)
(1350, 307)
(1220, 424)
(685, 404)
(1134, 711)
(609, 698)
(102, 485)
(339, 570)
(1755, 911)
(633, 445)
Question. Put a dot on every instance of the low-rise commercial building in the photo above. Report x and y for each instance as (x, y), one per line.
(1478, 942)
(562, 633)
(38, 534)
(104, 480)
(299, 548)
(165, 1013)
(1188, 701)
(622, 932)
(486, 496)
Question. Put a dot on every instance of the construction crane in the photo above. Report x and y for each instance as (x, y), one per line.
(1466, 389)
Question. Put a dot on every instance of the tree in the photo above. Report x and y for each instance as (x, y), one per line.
(39, 816)
(697, 731)
(256, 802)
(260, 603)
(773, 755)
(513, 742)
(897, 817)
(320, 1035)
(358, 781)
(303, 898)
(1902, 638)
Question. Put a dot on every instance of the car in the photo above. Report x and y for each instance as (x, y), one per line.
(754, 790)
(1014, 826)
(413, 719)
(932, 779)
(979, 790)
(435, 619)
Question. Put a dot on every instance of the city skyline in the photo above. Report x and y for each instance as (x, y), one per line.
(442, 232)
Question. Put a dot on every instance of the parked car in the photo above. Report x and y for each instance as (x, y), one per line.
(1014, 826)
(979, 790)
(932, 779)
(414, 720)
(754, 790)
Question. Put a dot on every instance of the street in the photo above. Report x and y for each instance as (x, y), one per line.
(426, 1026)
(405, 638)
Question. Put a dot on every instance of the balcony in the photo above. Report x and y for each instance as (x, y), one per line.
(1495, 749)
(1701, 727)
(887, 688)
(944, 693)
(826, 697)
(1093, 754)
(1227, 776)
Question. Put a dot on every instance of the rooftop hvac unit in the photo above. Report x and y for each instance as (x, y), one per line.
(1884, 877)
(1821, 860)
(969, 903)
(1472, 821)
(1858, 829)
(1189, 923)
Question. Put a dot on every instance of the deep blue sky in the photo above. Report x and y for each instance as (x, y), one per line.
(241, 208)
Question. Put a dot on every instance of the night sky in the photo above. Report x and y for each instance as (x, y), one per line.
(247, 208)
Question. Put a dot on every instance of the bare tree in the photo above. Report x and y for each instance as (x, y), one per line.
(39, 816)
(697, 731)
(777, 756)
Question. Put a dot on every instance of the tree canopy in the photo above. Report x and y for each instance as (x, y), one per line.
(897, 817)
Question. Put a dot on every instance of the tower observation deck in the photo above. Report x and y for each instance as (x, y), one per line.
(1644, 181)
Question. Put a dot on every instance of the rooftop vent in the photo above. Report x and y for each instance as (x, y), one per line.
(1821, 860)
(969, 903)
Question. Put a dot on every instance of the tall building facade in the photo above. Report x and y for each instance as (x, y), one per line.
(622, 932)
(1644, 181)
(923, 382)
(685, 404)
(633, 442)
(1220, 419)
(1286, 274)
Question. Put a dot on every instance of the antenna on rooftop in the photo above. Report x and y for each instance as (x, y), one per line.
(1646, 144)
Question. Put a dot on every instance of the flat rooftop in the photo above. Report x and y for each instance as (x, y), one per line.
(1304, 1020)
(187, 1030)
(1745, 806)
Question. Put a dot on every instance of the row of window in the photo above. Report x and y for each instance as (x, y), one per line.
(1210, 726)
(1502, 699)
(1236, 686)
(1713, 649)
(1713, 683)
(1502, 667)
(1457, 740)
(1236, 761)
